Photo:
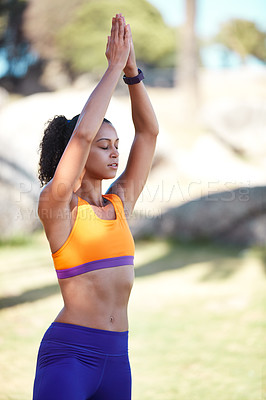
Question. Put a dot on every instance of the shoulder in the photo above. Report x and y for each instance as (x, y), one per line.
(119, 196)
(48, 200)
(117, 191)
(44, 198)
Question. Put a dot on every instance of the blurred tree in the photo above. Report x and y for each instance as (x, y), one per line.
(187, 72)
(44, 19)
(188, 63)
(75, 32)
(13, 45)
(244, 38)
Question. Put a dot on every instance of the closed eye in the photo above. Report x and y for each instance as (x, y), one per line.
(106, 148)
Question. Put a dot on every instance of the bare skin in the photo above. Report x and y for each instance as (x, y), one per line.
(99, 299)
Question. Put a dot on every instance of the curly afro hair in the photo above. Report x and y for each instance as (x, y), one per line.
(55, 139)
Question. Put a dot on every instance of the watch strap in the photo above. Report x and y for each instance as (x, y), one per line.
(135, 79)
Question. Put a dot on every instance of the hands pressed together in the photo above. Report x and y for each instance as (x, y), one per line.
(120, 50)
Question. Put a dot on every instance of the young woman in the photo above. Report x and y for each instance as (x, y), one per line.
(84, 353)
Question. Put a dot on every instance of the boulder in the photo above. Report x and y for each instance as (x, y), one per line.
(18, 194)
(240, 124)
(235, 217)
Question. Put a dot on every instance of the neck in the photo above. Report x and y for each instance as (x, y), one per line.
(91, 191)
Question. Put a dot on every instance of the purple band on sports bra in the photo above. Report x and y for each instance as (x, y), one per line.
(94, 265)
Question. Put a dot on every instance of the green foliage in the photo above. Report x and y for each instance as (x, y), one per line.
(12, 39)
(44, 19)
(244, 38)
(82, 42)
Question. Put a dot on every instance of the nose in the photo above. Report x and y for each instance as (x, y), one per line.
(115, 153)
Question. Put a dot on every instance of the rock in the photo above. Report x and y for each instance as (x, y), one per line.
(239, 124)
(233, 217)
(18, 212)
(55, 68)
(3, 96)
(19, 197)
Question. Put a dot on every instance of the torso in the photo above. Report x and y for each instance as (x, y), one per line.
(96, 299)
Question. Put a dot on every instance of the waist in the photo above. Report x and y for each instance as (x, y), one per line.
(96, 340)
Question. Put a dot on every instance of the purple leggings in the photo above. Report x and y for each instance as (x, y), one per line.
(79, 363)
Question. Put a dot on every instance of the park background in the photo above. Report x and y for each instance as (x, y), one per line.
(197, 309)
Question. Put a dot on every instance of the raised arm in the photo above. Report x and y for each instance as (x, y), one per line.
(74, 158)
(130, 183)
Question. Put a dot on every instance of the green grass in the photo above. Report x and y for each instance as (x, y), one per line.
(197, 320)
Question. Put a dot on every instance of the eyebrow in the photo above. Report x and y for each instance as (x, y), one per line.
(106, 139)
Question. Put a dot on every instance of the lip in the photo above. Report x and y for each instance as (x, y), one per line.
(113, 165)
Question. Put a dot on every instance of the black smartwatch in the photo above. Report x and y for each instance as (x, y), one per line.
(134, 79)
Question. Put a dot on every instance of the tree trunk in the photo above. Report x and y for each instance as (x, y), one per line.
(187, 72)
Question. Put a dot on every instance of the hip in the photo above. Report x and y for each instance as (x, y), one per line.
(89, 339)
(77, 362)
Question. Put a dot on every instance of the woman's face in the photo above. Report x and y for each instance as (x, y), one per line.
(102, 162)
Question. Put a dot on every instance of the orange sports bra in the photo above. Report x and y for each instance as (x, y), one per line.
(95, 243)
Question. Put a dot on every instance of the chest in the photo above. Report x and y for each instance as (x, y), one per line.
(101, 237)
(105, 213)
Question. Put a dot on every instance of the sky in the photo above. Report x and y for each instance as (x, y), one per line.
(210, 15)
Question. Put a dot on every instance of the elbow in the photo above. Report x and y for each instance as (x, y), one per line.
(154, 126)
(154, 129)
(151, 130)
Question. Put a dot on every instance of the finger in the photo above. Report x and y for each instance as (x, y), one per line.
(121, 28)
(124, 21)
(108, 41)
(127, 30)
(113, 27)
(120, 16)
(127, 33)
(116, 28)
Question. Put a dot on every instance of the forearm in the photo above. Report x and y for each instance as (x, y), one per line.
(143, 115)
(96, 106)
